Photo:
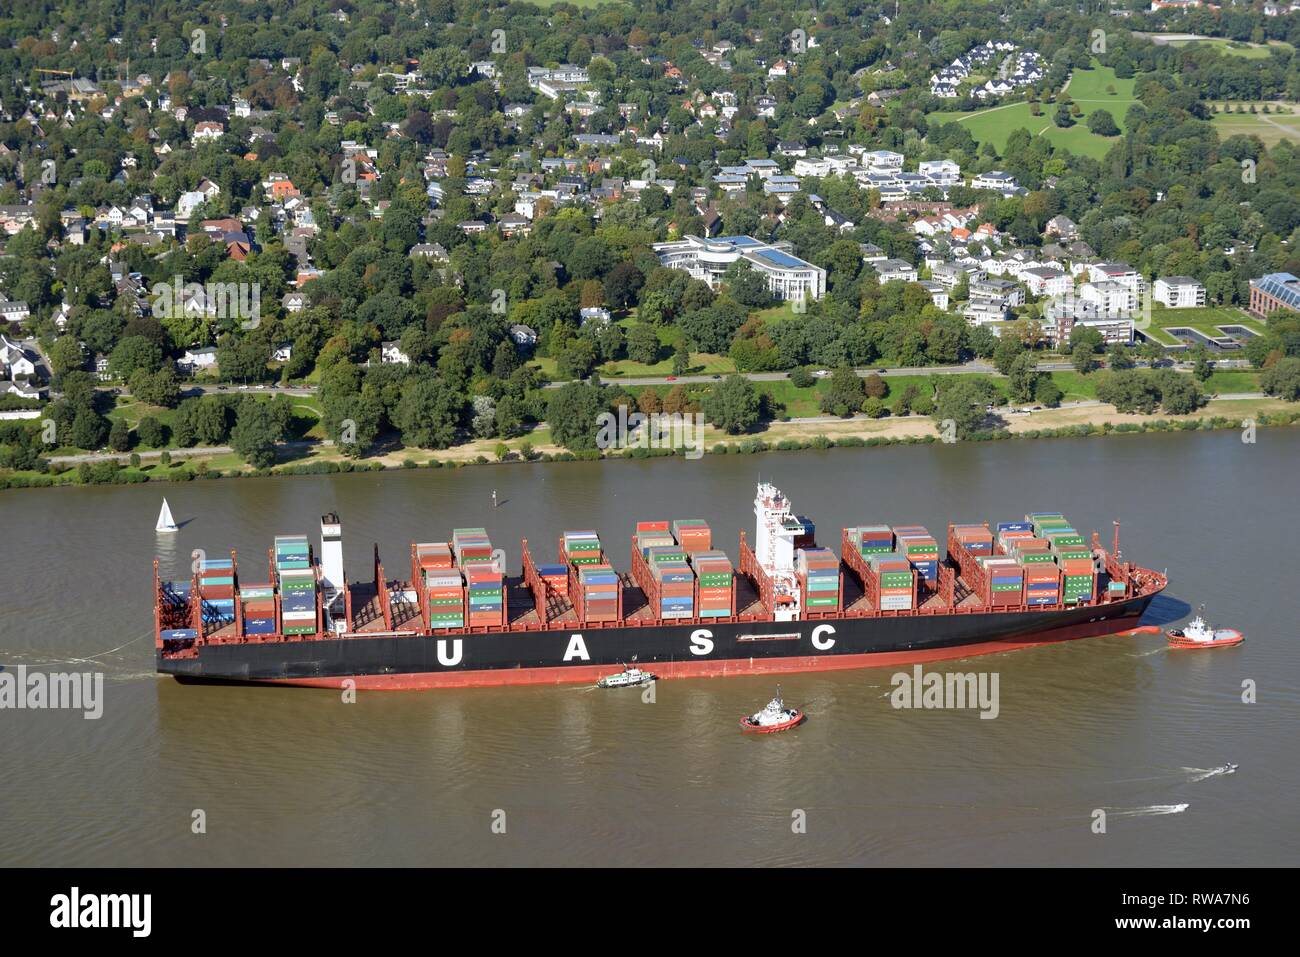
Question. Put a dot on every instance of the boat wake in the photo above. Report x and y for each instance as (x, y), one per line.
(1201, 774)
(1149, 811)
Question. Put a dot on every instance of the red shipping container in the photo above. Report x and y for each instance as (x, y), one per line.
(652, 526)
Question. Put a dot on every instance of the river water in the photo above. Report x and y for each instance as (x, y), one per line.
(575, 776)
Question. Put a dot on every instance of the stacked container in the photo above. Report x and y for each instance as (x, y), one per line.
(1078, 580)
(717, 583)
(872, 539)
(921, 550)
(897, 580)
(693, 535)
(257, 604)
(217, 587)
(977, 539)
(600, 585)
(1006, 580)
(444, 590)
(819, 574)
(486, 588)
(583, 548)
(653, 539)
(676, 584)
(471, 546)
(556, 578)
(292, 552)
(434, 555)
(297, 601)
(1042, 582)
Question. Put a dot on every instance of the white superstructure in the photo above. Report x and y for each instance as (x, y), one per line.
(777, 528)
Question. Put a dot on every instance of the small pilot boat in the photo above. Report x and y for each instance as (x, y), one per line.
(630, 677)
(775, 717)
(1197, 634)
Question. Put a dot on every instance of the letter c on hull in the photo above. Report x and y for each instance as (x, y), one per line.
(457, 645)
(823, 644)
(702, 642)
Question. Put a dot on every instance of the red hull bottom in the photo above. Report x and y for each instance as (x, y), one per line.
(583, 674)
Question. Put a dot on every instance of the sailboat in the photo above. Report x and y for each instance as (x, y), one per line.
(165, 521)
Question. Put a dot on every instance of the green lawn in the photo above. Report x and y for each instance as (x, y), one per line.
(1271, 128)
(1205, 320)
(1251, 51)
(1091, 89)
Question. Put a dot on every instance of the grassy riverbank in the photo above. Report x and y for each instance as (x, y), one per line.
(859, 431)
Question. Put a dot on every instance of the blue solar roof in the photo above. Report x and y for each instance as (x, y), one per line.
(745, 242)
(778, 258)
(1281, 286)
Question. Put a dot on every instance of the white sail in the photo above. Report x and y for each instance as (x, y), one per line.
(165, 521)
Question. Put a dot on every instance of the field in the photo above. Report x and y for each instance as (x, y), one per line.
(1090, 89)
(1250, 51)
(1271, 128)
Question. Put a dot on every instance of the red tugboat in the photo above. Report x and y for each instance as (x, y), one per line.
(775, 717)
(1198, 634)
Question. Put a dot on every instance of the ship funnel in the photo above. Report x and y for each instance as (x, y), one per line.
(331, 553)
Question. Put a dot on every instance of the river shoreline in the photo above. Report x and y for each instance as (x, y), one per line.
(1077, 421)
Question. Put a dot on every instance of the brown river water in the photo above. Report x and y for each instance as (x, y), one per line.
(577, 776)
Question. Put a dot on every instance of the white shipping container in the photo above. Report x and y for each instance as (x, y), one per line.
(298, 615)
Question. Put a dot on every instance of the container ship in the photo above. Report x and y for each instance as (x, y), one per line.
(892, 595)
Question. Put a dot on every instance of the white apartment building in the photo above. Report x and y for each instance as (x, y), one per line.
(1179, 292)
(1046, 281)
(788, 276)
(1110, 298)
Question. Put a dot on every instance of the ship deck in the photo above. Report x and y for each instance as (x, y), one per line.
(367, 612)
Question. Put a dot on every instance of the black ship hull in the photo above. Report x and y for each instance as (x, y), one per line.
(693, 649)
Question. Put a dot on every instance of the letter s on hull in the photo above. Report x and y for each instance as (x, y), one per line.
(458, 646)
(820, 643)
(702, 642)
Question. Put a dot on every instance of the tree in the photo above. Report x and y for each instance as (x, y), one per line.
(576, 359)
(119, 436)
(875, 386)
(844, 393)
(802, 378)
(134, 353)
(89, 429)
(256, 432)
(1022, 380)
(681, 359)
(1282, 379)
(962, 405)
(734, 405)
(747, 286)
(1008, 350)
(429, 413)
(643, 344)
(1047, 392)
(1202, 367)
(1081, 357)
(1117, 357)
(159, 388)
(1102, 123)
(151, 432)
(1179, 394)
(573, 414)
(66, 355)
